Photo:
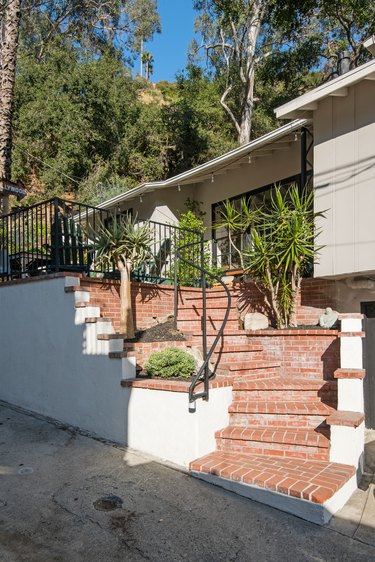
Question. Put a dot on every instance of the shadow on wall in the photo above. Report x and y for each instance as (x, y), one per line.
(331, 359)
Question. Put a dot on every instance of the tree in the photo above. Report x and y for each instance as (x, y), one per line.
(344, 25)
(81, 127)
(281, 39)
(124, 244)
(238, 36)
(91, 23)
(11, 15)
(148, 61)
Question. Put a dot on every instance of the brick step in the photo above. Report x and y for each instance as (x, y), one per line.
(291, 436)
(281, 442)
(285, 383)
(277, 420)
(228, 349)
(227, 359)
(282, 407)
(287, 395)
(314, 481)
(247, 367)
(275, 449)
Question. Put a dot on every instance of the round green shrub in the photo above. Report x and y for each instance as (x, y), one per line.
(171, 362)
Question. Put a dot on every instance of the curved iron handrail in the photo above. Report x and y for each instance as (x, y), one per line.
(203, 372)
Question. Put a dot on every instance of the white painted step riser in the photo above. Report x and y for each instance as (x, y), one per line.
(316, 513)
(86, 312)
(72, 281)
(81, 296)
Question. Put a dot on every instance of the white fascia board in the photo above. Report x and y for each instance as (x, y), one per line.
(306, 101)
(189, 177)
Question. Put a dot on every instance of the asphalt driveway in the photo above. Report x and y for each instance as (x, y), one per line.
(66, 497)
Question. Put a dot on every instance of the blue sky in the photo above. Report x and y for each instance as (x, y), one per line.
(169, 48)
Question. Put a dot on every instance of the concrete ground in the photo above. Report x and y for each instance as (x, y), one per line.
(52, 485)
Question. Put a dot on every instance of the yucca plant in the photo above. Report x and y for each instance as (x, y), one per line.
(237, 222)
(125, 245)
(283, 250)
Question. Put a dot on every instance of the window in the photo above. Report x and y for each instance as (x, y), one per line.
(224, 254)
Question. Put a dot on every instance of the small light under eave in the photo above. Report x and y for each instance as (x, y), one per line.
(249, 158)
(212, 178)
(140, 199)
(179, 187)
(296, 136)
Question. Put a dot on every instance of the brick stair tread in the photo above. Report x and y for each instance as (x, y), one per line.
(284, 383)
(238, 348)
(287, 435)
(282, 406)
(316, 481)
(252, 364)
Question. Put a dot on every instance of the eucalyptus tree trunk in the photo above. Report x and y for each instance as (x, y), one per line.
(126, 313)
(11, 16)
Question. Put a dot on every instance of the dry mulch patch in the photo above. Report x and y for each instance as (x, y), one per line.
(161, 332)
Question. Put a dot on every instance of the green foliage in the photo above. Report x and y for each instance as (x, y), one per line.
(123, 242)
(283, 248)
(196, 126)
(190, 243)
(171, 362)
(236, 221)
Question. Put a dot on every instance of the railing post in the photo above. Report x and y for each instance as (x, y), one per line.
(204, 318)
(56, 234)
(175, 295)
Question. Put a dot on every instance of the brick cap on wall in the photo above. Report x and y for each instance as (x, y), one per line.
(171, 386)
(349, 374)
(347, 419)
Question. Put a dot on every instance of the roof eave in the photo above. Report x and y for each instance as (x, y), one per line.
(308, 103)
(188, 177)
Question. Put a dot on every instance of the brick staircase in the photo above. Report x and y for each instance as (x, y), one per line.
(276, 448)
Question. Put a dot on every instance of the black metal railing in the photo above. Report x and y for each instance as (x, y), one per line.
(57, 235)
(203, 375)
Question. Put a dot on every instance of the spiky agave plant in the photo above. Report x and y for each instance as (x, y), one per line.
(283, 249)
(125, 244)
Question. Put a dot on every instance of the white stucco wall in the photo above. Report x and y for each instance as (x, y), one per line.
(48, 365)
(344, 173)
(160, 423)
(164, 205)
(52, 363)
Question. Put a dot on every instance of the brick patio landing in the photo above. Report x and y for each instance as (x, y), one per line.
(315, 481)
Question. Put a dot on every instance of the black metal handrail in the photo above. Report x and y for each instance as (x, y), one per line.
(203, 373)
